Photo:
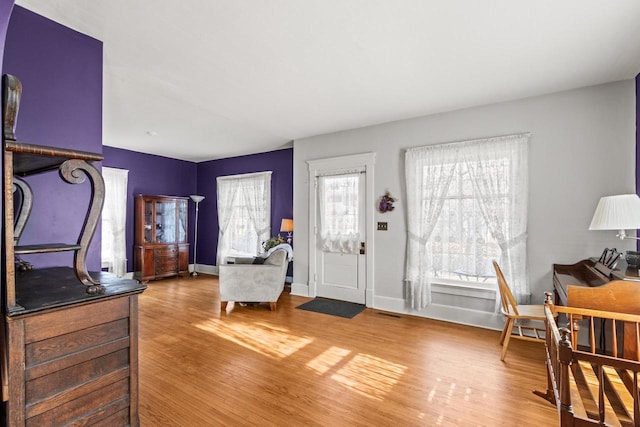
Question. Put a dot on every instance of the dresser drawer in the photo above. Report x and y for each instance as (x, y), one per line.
(166, 260)
(166, 251)
(166, 265)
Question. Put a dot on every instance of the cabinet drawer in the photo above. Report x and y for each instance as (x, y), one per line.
(112, 401)
(166, 251)
(50, 391)
(166, 265)
(60, 352)
(74, 319)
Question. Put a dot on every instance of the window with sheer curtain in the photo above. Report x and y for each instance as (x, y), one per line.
(467, 206)
(244, 214)
(114, 216)
(339, 216)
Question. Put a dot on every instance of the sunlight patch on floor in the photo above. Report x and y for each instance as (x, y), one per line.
(370, 376)
(446, 396)
(449, 393)
(265, 339)
(325, 361)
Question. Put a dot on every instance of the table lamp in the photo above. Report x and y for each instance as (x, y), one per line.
(287, 226)
(621, 212)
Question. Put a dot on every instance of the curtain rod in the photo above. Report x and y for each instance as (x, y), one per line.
(244, 175)
(490, 138)
(344, 172)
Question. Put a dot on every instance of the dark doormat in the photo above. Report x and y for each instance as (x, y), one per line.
(332, 307)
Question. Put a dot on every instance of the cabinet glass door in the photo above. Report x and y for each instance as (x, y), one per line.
(166, 222)
(182, 221)
(148, 222)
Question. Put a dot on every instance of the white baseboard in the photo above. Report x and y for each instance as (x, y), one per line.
(369, 298)
(299, 289)
(461, 316)
(395, 305)
(204, 268)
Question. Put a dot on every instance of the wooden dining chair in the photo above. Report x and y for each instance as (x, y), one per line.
(527, 320)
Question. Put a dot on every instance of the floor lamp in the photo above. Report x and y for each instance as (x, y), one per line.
(197, 199)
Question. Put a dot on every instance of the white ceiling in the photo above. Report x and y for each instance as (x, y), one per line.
(219, 78)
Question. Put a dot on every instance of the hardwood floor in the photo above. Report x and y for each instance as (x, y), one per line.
(294, 367)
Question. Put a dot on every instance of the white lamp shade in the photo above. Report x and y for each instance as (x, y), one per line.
(620, 212)
(196, 198)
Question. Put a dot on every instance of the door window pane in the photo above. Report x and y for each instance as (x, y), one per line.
(339, 212)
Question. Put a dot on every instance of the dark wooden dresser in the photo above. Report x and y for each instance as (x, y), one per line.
(69, 337)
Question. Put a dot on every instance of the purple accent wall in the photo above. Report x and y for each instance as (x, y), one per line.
(149, 174)
(61, 74)
(5, 13)
(280, 162)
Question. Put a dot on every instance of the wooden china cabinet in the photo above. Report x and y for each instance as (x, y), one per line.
(161, 248)
(69, 337)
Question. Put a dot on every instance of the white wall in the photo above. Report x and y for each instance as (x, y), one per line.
(582, 147)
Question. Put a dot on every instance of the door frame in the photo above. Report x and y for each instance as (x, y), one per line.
(366, 162)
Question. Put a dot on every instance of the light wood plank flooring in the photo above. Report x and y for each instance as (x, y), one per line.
(298, 368)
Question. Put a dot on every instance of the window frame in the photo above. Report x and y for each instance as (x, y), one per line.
(241, 182)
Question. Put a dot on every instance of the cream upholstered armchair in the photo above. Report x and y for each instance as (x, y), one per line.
(254, 282)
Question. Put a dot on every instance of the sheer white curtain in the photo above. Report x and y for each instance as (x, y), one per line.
(428, 174)
(499, 173)
(227, 192)
(484, 176)
(339, 216)
(114, 216)
(257, 198)
(244, 214)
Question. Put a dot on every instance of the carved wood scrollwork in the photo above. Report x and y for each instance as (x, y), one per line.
(12, 91)
(24, 210)
(75, 171)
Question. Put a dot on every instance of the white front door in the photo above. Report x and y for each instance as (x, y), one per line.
(340, 236)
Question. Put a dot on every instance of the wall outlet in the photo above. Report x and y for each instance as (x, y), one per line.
(382, 226)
